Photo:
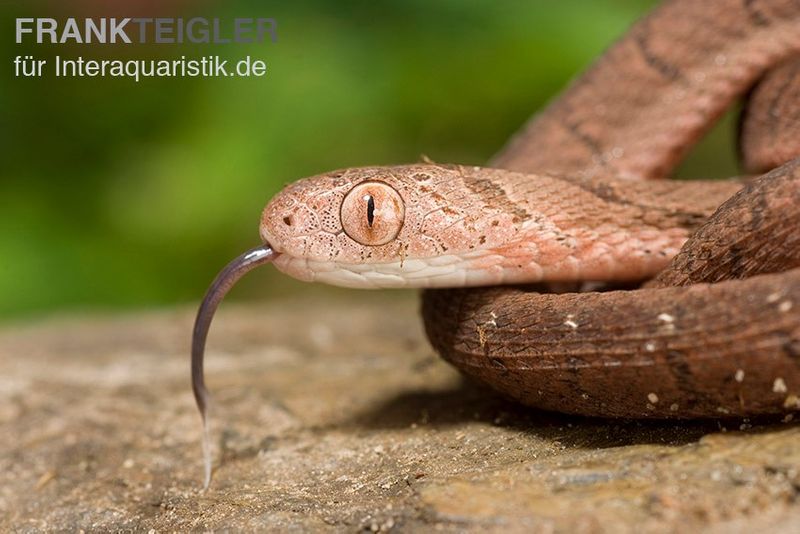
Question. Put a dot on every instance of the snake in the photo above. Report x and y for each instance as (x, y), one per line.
(567, 274)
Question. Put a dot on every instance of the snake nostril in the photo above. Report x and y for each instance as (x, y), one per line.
(287, 220)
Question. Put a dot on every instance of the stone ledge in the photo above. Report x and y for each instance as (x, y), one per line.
(335, 414)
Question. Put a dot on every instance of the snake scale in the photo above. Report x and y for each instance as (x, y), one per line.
(709, 322)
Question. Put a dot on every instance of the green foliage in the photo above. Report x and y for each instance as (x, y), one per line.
(120, 194)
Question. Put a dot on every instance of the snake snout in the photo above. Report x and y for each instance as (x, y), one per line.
(286, 224)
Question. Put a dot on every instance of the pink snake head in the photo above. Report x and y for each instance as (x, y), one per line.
(420, 225)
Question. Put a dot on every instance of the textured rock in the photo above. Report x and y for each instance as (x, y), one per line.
(333, 413)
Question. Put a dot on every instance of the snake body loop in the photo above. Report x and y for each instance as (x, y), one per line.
(681, 348)
(717, 333)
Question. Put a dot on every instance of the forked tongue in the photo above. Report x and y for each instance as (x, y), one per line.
(224, 281)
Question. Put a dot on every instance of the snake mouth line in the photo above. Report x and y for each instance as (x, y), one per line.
(223, 283)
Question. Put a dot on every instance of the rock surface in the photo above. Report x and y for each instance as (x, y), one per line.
(332, 413)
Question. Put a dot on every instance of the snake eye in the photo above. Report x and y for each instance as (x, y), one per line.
(372, 213)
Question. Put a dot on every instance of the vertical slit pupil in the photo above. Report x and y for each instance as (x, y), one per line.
(370, 210)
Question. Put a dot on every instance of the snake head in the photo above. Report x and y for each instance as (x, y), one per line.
(421, 225)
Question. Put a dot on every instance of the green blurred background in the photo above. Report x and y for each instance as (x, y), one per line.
(116, 194)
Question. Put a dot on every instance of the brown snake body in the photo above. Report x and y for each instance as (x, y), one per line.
(724, 345)
(730, 348)
(715, 332)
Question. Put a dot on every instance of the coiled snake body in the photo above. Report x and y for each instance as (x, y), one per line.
(716, 329)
